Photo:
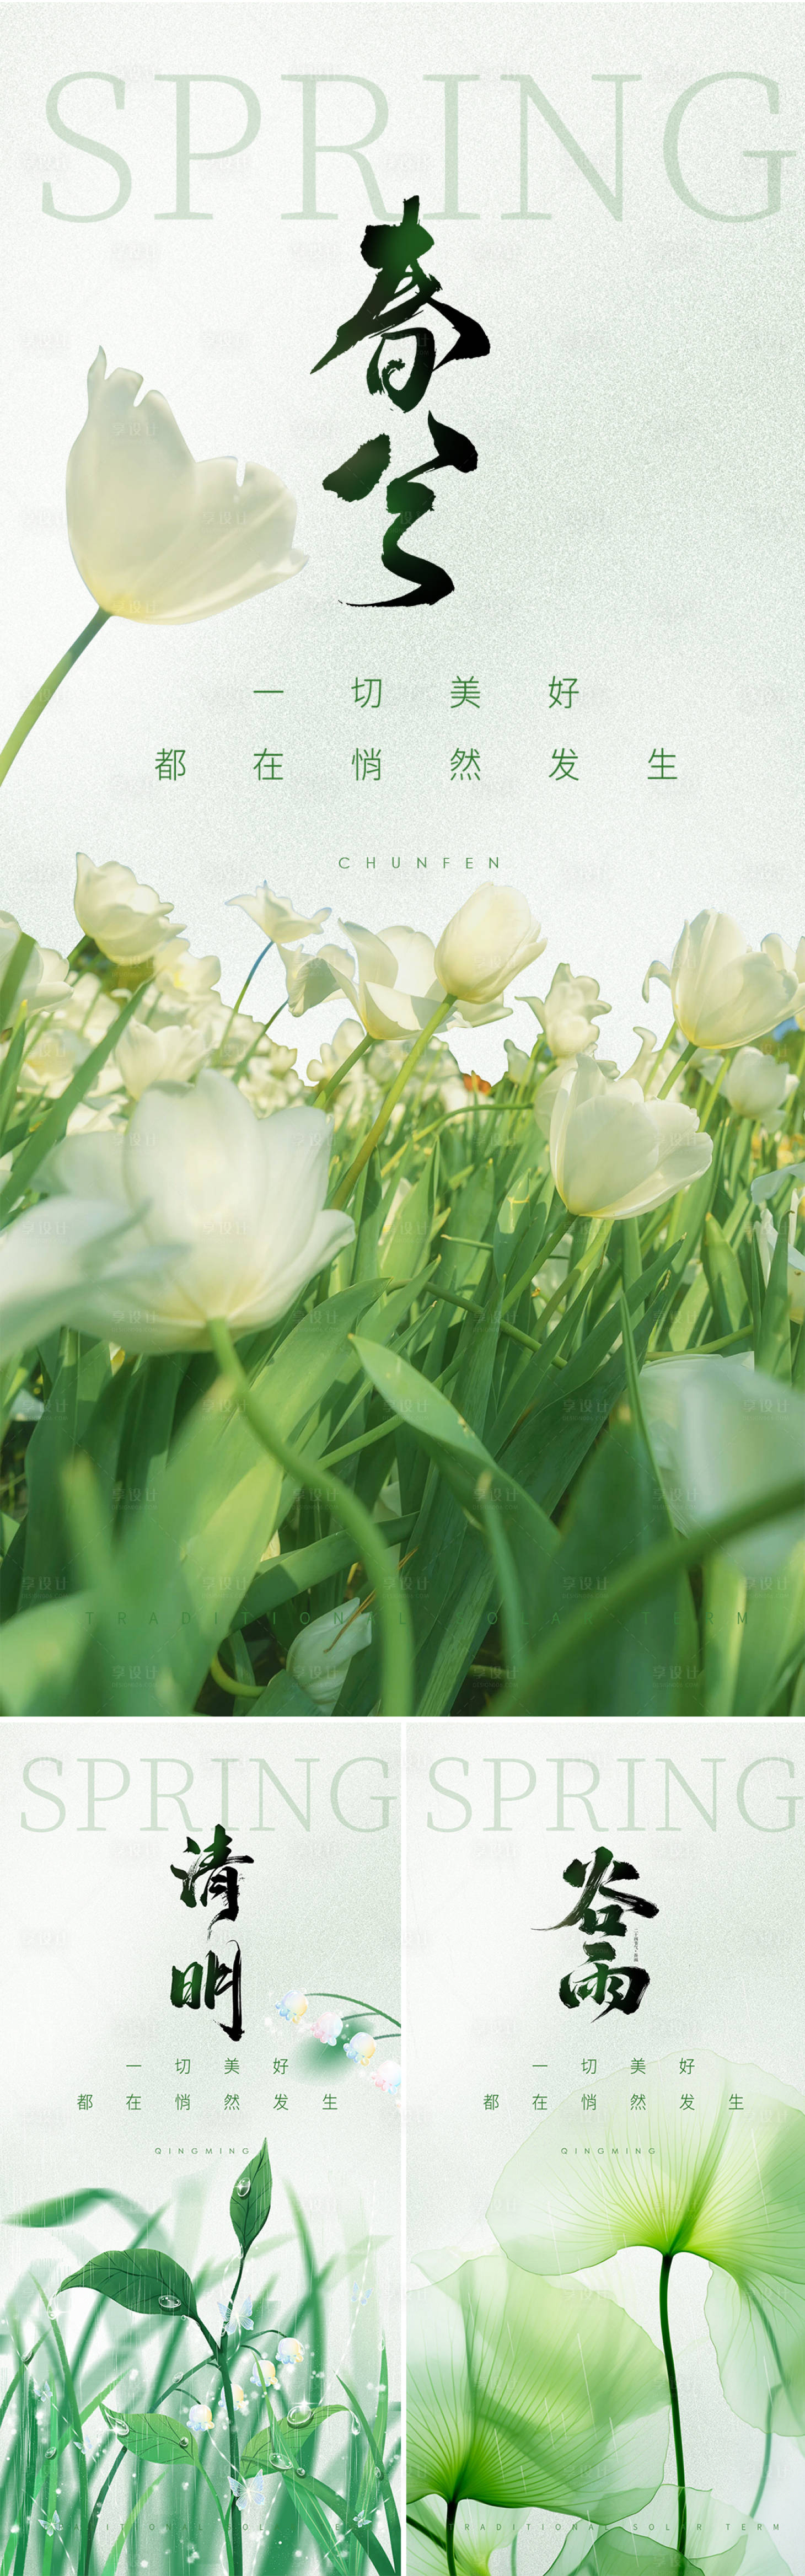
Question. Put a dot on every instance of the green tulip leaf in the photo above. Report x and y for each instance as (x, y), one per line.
(411, 1395)
(724, 2179)
(152, 2284)
(161, 2438)
(251, 2199)
(522, 2394)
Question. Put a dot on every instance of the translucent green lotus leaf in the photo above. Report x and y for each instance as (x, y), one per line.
(480, 2529)
(523, 2394)
(619, 2553)
(720, 2542)
(724, 2179)
(758, 2330)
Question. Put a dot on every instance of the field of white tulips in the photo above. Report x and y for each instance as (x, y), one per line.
(390, 1389)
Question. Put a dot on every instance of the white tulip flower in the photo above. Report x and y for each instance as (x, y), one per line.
(569, 1012)
(321, 1654)
(53, 1055)
(518, 1061)
(790, 961)
(168, 1053)
(644, 1068)
(231, 1035)
(10, 932)
(277, 917)
(45, 980)
(397, 990)
(725, 1434)
(548, 1087)
(127, 921)
(232, 1205)
(50, 1256)
(489, 940)
(766, 1185)
(88, 1008)
(612, 1152)
(756, 1086)
(270, 1082)
(156, 536)
(336, 1052)
(181, 977)
(724, 993)
(311, 979)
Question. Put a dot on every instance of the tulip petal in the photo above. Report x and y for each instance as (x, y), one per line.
(723, 992)
(156, 536)
(724, 1434)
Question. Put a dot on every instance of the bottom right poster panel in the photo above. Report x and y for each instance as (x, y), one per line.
(606, 2149)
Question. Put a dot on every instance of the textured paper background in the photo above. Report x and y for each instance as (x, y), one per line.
(93, 1925)
(634, 520)
(483, 1999)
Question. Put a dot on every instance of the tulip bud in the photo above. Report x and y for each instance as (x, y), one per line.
(612, 1152)
(490, 940)
(157, 537)
(756, 1085)
(319, 1656)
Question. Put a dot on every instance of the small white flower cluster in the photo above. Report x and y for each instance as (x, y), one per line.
(361, 2048)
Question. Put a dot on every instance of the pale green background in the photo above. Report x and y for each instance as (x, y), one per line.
(635, 519)
(93, 1923)
(483, 2001)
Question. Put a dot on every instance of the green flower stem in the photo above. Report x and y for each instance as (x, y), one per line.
(331, 1083)
(741, 1340)
(392, 1607)
(449, 2535)
(542, 1254)
(637, 1582)
(48, 690)
(318, 1995)
(226, 1681)
(243, 990)
(346, 1187)
(268, 2406)
(236, 2553)
(245, 1060)
(794, 1104)
(773, 2393)
(593, 1255)
(98, 2506)
(234, 2518)
(662, 1050)
(450, 1297)
(676, 2420)
(677, 1067)
(766, 2462)
(225, 2326)
(715, 1087)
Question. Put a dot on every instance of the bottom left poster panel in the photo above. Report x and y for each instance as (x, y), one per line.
(199, 2172)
